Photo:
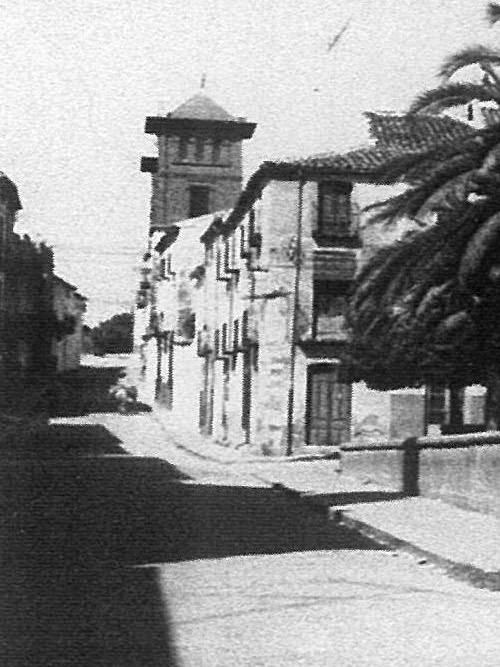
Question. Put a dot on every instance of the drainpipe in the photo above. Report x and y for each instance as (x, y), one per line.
(294, 320)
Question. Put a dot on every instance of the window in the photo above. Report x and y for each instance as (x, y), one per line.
(199, 200)
(216, 152)
(334, 209)
(330, 303)
(200, 149)
(436, 404)
(183, 146)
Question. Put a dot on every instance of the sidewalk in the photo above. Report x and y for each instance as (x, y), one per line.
(464, 543)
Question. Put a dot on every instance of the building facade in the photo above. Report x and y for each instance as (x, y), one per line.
(26, 270)
(69, 307)
(240, 319)
(31, 312)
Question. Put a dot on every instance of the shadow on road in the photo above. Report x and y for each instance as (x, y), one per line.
(85, 390)
(61, 617)
(70, 594)
(83, 527)
(75, 532)
(54, 441)
(127, 511)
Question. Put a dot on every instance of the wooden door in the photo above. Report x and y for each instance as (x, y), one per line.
(328, 405)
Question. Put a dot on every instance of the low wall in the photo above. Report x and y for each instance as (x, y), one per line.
(463, 470)
(379, 465)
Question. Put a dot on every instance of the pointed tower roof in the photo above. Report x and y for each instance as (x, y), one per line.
(200, 114)
(201, 107)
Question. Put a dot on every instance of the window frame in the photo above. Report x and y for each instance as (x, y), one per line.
(336, 223)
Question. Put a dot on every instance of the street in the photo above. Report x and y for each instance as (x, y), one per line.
(114, 557)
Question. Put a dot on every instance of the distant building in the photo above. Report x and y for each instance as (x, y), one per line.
(25, 299)
(69, 307)
(30, 296)
(10, 204)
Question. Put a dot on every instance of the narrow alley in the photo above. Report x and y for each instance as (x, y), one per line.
(121, 549)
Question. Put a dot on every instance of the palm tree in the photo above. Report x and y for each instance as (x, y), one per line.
(427, 309)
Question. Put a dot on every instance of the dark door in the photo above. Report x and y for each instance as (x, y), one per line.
(328, 405)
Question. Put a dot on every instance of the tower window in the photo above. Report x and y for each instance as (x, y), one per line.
(200, 149)
(199, 200)
(216, 152)
(182, 154)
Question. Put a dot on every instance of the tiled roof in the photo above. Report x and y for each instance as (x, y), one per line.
(394, 135)
(411, 132)
(365, 161)
(201, 107)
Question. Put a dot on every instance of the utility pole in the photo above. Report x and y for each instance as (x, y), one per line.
(294, 319)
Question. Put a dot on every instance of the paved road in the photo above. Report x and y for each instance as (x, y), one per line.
(113, 560)
(322, 608)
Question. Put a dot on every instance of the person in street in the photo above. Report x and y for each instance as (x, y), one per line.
(124, 393)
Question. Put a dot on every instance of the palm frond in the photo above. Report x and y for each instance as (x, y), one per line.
(491, 162)
(479, 55)
(396, 168)
(491, 116)
(415, 322)
(442, 167)
(388, 210)
(442, 191)
(440, 164)
(452, 194)
(453, 94)
(439, 179)
(492, 13)
(480, 244)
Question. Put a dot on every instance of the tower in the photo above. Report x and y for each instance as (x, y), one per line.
(199, 165)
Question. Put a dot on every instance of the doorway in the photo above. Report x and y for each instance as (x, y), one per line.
(328, 406)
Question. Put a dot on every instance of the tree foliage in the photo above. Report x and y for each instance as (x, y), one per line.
(114, 335)
(426, 309)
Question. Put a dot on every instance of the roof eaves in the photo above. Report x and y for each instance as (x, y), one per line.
(167, 239)
(214, 230)
(332, 165)
(65, 283)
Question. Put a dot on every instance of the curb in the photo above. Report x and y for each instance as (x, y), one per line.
(465, 572)
(244, 458)
(461, 571)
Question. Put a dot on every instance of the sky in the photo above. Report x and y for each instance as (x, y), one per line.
(79, 77)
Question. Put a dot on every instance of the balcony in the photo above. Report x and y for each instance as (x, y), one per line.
(334, 264)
